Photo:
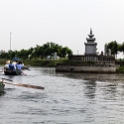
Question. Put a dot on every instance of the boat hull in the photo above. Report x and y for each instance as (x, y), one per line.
(7, 72)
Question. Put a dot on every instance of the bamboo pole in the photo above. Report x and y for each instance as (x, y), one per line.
(25, 85)
(22, 85)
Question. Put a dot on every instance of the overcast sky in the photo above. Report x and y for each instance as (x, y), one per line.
(64, 22)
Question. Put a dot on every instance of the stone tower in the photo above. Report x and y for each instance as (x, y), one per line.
(90, 45)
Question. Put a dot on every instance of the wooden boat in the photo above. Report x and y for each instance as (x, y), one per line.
(9, 72)
(11, 68)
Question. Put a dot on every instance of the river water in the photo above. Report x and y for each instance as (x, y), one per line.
(68, 98)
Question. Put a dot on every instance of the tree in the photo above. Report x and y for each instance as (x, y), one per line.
(43, 51)
(114, 47)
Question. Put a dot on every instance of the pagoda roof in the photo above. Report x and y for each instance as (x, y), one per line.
(90, 39)
(90, 36)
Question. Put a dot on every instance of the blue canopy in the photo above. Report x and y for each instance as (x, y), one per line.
(16, 59)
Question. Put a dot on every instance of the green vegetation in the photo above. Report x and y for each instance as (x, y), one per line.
(39, 62)
(43, 62)
(120, 69)
(45, 55)
(49, 49)
(114, 47)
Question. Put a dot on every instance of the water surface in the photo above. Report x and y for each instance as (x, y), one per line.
(68, 98)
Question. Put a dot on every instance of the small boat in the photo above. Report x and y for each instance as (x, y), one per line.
(12, 69)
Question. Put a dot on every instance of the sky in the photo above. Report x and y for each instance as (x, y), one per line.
(64, 22)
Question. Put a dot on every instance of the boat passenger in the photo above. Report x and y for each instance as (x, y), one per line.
(19, 66)
(22, 64)
(6, 67)
(11, 66)
(14, 63)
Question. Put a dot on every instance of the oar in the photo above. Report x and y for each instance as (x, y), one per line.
(23, 85)
(23, 73)
(26, 67)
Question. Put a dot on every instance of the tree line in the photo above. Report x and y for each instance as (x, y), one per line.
(48, 49)
(114, 47)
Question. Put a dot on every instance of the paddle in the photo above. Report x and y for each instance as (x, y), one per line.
(25, 68)
(22, 85)
(23, 73)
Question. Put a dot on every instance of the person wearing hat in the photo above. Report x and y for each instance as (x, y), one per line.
(7, 65)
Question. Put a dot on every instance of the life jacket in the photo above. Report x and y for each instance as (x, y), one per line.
(11, 67)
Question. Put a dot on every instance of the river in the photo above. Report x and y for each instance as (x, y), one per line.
(68, 98)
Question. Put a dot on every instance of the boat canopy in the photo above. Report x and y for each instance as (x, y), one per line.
(15, 59)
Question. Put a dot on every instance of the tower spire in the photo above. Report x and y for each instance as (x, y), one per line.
(91, 37)
(90, 31)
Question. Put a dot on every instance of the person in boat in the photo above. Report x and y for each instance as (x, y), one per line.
(19, 66)
(6, 67)
(14, 63)
(12, 66)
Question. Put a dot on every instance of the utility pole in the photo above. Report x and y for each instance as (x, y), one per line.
(10, 41)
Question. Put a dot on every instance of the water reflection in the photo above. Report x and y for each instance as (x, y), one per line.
(109, 91)
(90, 89)
(96, 77)
(46, 71)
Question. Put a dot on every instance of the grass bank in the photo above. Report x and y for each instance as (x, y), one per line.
(38, 62)
(43, 63)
